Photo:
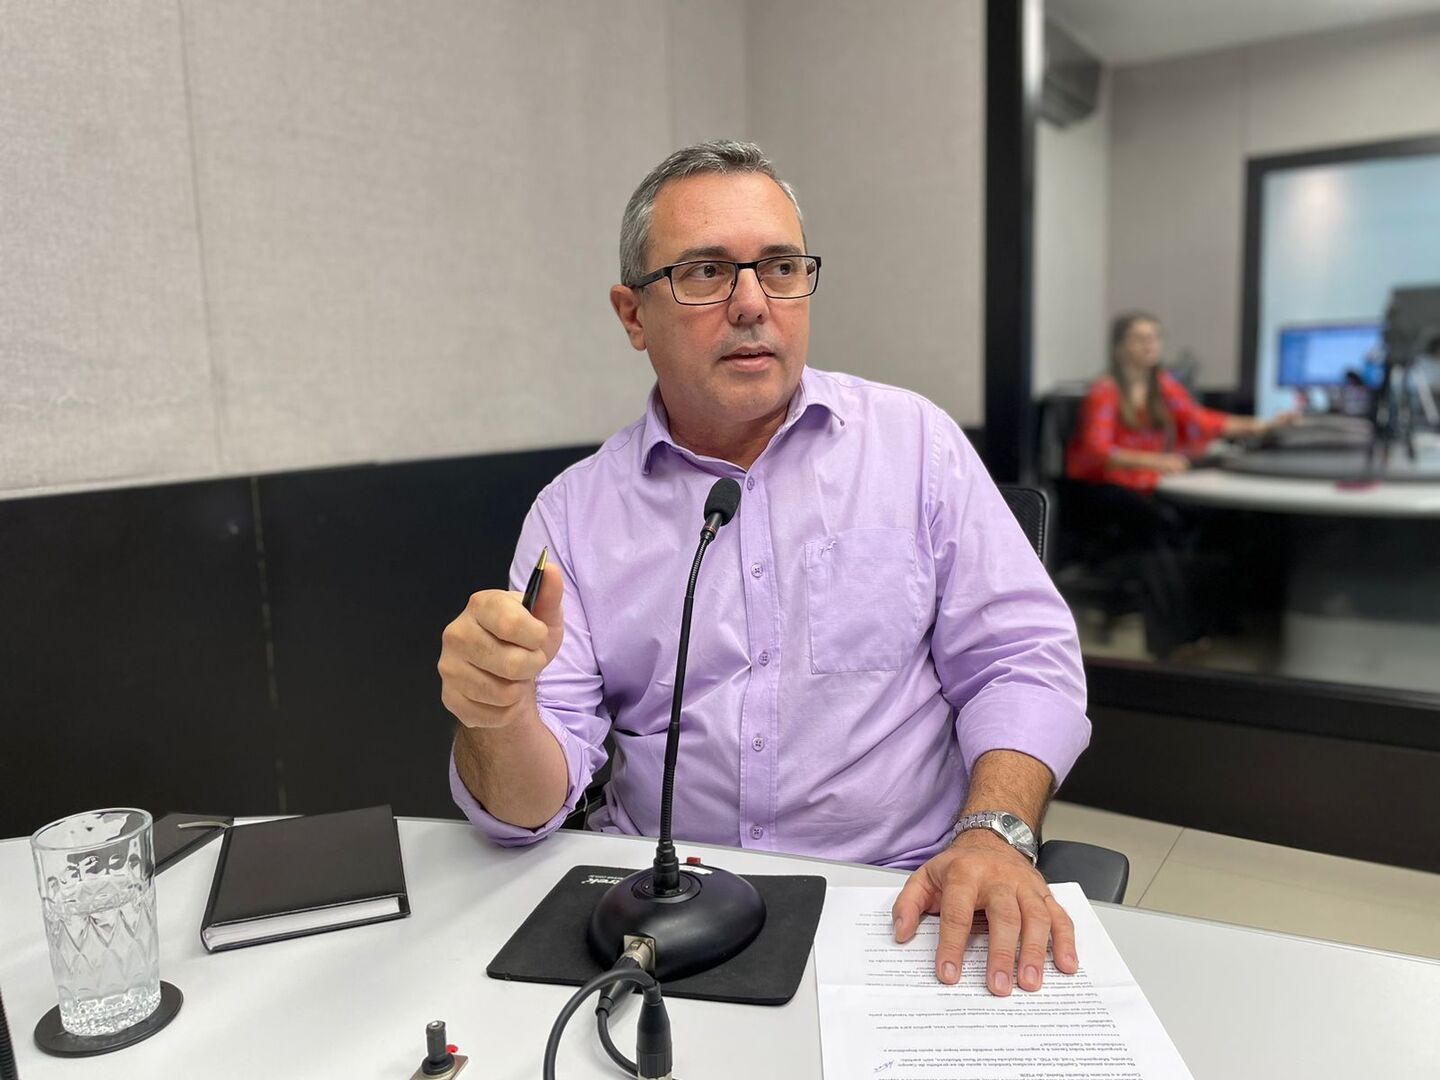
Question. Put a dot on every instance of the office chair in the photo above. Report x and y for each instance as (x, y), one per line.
(1092, 566)
(1101, 872)
(1031, 508)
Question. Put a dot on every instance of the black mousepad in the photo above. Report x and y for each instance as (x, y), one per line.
(550, 945)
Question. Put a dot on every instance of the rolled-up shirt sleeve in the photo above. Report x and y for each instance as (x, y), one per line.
(1004, 644)
(569, 691)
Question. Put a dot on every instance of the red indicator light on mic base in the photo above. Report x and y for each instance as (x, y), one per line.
(692, 860)
(452, 1049)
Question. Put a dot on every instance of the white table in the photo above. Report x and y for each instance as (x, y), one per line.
(1238, 1003)
(1283, 495)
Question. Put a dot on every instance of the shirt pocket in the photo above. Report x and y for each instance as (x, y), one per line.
(863, 591)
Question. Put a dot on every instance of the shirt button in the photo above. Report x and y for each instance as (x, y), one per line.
(756, 832)
(756, 569)
(757, 743)
(764, 659)
(749, 483)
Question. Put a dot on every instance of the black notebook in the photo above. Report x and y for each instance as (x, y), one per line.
(305, 875)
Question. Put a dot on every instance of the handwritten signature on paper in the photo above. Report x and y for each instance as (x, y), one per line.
(882, 1068)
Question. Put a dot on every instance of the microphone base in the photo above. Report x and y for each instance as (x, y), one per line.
(714, 916)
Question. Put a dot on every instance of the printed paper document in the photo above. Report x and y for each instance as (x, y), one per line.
(884, 1014)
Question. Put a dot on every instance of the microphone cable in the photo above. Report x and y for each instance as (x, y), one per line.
(609, 998)
(653, 1047)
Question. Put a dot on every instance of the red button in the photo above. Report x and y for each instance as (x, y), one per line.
(692, 860)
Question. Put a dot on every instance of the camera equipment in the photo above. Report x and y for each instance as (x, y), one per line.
(1412, 325)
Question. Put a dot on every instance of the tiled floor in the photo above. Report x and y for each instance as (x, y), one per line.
(1256, 651)
(1203, 874)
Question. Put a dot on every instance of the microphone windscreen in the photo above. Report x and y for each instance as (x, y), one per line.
(724, 499)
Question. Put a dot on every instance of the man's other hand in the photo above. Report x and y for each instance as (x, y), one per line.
(491, 653)
(981, 872)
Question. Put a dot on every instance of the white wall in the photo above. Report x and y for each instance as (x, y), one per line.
(1181, 132)
(1072, 195)
(256, 237)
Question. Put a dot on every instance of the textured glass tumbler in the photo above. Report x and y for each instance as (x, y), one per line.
(96, 873)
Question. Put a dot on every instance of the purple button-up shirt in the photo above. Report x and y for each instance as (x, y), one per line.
(870, 623)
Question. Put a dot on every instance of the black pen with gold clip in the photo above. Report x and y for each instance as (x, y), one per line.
(532, 590)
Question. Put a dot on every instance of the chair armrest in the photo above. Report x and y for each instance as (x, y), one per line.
(1101, 873)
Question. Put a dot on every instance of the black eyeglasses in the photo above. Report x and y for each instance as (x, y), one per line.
(712, 281)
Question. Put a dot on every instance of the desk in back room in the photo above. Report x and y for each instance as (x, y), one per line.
(1362, 590)
(1238, 1003)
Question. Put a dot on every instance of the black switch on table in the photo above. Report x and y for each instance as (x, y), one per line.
(438, 1059)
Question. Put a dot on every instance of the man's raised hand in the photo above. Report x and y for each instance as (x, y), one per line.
(493, 650)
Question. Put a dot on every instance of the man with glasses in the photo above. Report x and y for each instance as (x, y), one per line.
(880, 669)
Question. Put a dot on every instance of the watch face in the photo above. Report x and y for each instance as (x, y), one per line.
(1017, 830)
(1012, 828)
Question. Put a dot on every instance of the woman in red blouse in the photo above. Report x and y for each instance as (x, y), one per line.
(1136, 425)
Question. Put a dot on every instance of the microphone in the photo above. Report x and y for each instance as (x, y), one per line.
(697, 916)
(720, 506)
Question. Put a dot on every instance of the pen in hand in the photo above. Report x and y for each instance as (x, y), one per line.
(532, 590)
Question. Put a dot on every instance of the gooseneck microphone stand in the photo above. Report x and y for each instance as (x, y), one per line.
(695, 916)
(668, 921)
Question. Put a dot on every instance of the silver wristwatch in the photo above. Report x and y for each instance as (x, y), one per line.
(1010, 828)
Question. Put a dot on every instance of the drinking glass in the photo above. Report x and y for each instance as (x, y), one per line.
(96, 873)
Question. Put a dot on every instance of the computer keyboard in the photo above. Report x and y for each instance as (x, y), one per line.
(1327, 432)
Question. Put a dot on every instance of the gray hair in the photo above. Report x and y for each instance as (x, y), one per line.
(716, 156)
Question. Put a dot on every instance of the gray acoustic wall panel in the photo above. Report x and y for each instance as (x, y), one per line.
(263, 236)
(104, 373)
(411, 217)
(708, 71)
(875, 112)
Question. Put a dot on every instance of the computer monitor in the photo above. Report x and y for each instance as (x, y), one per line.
(1323, 354)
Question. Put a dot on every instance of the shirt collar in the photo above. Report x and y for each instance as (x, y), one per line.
(816, 391)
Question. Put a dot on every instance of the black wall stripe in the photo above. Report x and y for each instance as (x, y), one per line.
(138, 667)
